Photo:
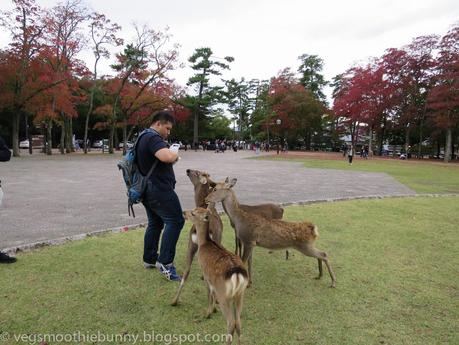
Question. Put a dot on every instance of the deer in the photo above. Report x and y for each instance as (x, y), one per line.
(224, 273)
(269, 211)
(255, 230)
(203, 185)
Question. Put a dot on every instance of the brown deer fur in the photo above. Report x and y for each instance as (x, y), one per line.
(269, 211)
(254, 230)
(203, 185)
(224, 272)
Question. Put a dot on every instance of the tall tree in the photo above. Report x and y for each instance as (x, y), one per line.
(205, 64)
(64, 40)
(298, 108)
(417, 83)
(444, 97)
(25, 24)
(311, 75)
(103, 33)
(240, 103)
(144, 62)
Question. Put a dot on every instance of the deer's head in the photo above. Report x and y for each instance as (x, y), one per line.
(221, 190)
(197, 216)
(198, 178)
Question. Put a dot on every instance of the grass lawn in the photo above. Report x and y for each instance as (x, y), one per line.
(396, 262)
(422, 177)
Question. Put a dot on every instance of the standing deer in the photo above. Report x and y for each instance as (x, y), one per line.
(269, 211)
(254, 230)
(224, 272)
(203, 185)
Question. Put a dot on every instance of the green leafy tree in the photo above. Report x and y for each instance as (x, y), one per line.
(240, 103)
(311, 75)
(205, 65)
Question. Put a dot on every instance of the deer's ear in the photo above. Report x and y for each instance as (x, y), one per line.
(231, 182)
(203, 180)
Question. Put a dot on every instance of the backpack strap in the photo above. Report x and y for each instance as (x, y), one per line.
(145, 131)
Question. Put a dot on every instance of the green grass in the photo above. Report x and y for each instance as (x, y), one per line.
(422, 177)
(396, 262)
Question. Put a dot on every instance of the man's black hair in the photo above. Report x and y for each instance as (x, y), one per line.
(163, 117)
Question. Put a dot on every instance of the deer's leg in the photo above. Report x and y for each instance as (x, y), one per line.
(286, 254)
(237, 315)
(241, 247)
(236, 244)
(227, 311)
(319, 262)
(211, 300)
(191, 252)
(247, 258)
(309, 250)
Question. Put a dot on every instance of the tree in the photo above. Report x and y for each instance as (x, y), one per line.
(206, 65)
(311, 78)
(298, 109)
(102, 33)
(239, 102)
(444, 96)
(64, 40)
(417, 83)
(25, 23)
(144, 62)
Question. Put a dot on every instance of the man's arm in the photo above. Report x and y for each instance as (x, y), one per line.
(166, 156)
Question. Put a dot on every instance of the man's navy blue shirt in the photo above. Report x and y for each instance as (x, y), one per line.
(163, 176)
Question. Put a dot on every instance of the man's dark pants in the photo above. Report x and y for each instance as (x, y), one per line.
(163, 211)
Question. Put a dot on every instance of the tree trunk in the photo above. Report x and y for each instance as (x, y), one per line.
(91, 105)
(370, 142)
(112, 136)
(381, 139)
(124, 136)
(68, 136)
(28, 133)
(447, 157)
(49, 145)
(15, 134)
(421, 125)
(71, 144)
(86, 126)
(195, 130)
(62, 141)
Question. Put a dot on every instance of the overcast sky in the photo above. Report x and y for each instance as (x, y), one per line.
(265, 36)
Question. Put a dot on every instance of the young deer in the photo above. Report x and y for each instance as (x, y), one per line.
(224, 272)
(269, 211)
(203, 185)
(254, 230)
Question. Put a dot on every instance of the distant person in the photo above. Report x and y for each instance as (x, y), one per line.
(161, 203)
(350, 154)
(5, 156)
(344, 148)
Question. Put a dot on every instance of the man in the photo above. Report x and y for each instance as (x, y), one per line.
(161, 203)
(5, 156)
